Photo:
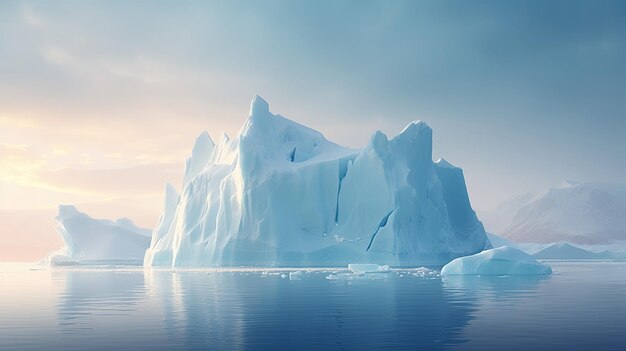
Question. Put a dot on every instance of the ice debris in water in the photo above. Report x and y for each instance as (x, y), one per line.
(424, 272)
(361, 271)
(297, 275)
(361, 268)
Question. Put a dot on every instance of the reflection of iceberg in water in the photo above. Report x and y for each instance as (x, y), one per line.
(199, 310)
(494, 286)
(510, 311)
(240, 311)
(196, 309)
(94, 298)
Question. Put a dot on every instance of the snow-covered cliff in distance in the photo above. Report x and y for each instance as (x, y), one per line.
(280, 194)
(587, 213)
(88, 239)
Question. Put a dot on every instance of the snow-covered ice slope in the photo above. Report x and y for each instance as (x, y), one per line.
(89, 239)
(577, 212)
(566, 251)
(279, 193)
(503, 260)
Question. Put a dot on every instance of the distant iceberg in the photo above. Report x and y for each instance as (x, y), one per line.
(567, 251)
(581, 213)
(87, 239)
(503, 260)
(279, 193)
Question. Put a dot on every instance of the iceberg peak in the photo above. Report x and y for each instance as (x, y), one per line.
(67, 211)
(203, 139)
(417, 134)
(378, 138)
(259, 106)
(441, 162)
(200, 156)
(415, 127)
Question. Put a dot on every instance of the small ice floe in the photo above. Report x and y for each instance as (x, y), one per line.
(61, 260)
(297, 275)
(361, 271)
(283, 276)
(362, 268)
(503, 260)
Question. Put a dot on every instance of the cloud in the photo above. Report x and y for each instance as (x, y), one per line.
(18, 162)
(26, 175)
(126, 83)
(58, 56)
(139, 180)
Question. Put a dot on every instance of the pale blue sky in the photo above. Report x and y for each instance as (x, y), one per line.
(521, 94)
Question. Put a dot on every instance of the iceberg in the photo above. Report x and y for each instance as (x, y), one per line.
(281, 194)
(503, 260)
(87, 239)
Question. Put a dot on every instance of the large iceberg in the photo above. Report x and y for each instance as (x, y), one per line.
(87, 239)
(279, 193)
(503, 260)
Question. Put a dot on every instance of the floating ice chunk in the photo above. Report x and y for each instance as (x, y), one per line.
(503, 260)
(283, 276)
(424, 272)
(297, 275)
(61, 260)
(361, 268)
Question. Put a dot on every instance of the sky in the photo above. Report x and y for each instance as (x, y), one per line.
(100, 101)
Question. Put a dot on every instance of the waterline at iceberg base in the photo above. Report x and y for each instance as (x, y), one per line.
(280, 194)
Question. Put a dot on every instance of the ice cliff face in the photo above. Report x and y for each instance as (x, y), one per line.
(89, 239)
(279, 193)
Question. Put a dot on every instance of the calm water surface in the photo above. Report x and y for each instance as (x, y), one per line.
(581, 306)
